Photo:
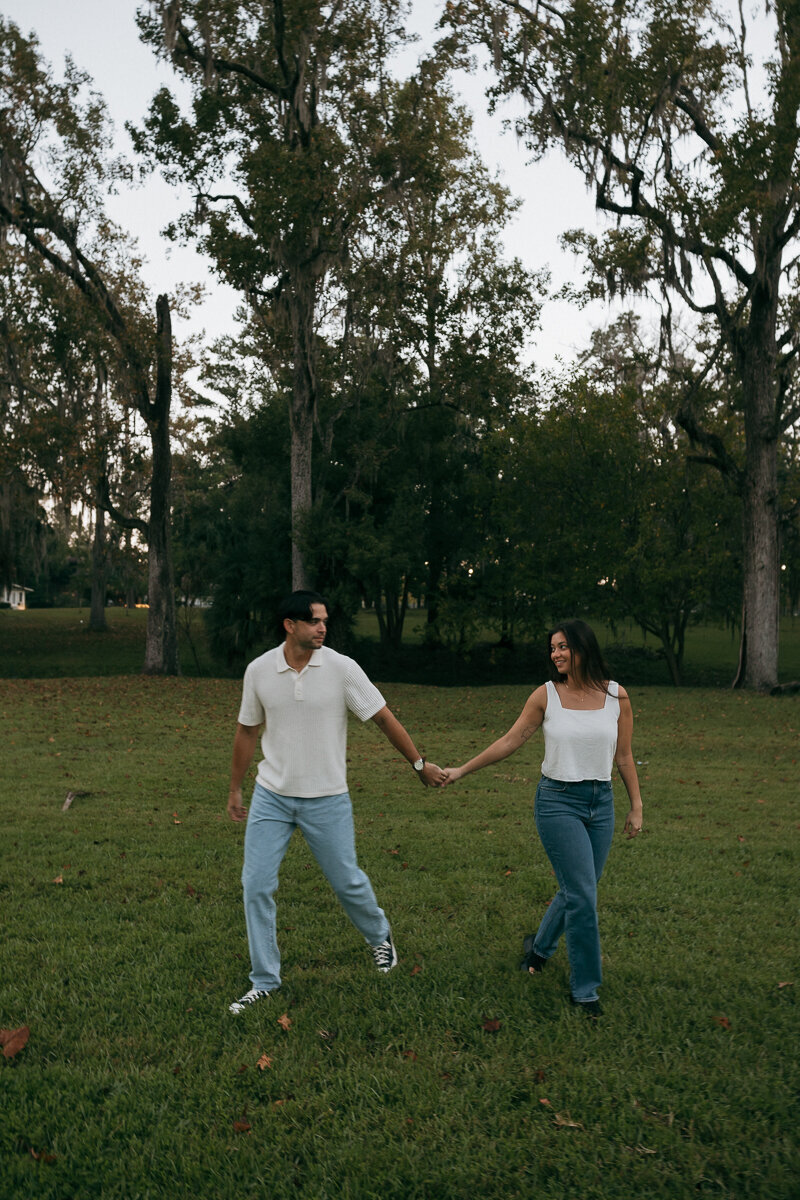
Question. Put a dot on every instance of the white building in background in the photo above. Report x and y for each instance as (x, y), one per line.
(14, 595)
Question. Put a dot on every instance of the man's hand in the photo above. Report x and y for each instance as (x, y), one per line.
(236, 810)
(431, 775)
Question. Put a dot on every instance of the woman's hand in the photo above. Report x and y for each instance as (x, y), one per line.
(452, 775)
(633, 822)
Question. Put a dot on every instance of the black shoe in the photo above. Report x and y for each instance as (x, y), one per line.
(385, 955)
(532, 961)
(251, 997)
(591, 1008)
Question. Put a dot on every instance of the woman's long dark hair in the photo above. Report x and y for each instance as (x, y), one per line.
(590, 667)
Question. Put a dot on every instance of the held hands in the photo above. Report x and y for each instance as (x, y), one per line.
(431, 775)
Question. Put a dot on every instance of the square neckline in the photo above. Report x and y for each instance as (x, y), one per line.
(569, 708)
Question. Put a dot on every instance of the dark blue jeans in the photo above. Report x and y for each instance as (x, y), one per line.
(576, 824)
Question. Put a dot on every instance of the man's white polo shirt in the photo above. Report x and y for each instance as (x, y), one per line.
(304, 742)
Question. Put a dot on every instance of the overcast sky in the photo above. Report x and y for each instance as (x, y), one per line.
(102, 38)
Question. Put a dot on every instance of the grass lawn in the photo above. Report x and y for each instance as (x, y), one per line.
(454, 1077)
(53, 643)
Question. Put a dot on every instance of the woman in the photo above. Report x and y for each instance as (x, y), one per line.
(587, 722)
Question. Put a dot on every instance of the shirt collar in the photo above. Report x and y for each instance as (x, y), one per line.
(282, 664)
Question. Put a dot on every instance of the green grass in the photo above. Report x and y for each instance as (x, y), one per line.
(710, 660)
(52, 643)
(137, 1084)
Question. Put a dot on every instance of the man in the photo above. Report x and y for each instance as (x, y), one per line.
(301, 692)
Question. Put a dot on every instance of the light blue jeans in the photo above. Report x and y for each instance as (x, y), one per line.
(575, 822)
(326, 823)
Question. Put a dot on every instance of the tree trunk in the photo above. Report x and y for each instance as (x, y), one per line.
(673, 661)
(161, 650)
(303, 404)
(761, 569)
(760, 517)
(97, 611)
(302, 429)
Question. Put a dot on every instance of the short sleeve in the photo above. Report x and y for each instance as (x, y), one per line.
(361, 695)
(251, 710)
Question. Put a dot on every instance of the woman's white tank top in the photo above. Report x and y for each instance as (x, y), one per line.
(580, 743)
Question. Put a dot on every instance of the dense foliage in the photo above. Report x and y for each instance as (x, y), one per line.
(379, 428)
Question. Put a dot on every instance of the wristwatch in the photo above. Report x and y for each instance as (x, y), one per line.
(419, 765)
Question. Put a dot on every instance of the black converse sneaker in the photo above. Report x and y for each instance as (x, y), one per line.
(250, 997)
(385, 955)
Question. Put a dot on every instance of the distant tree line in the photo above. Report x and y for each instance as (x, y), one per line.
(379, 429)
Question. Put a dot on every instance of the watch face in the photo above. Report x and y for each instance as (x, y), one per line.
(419, 764)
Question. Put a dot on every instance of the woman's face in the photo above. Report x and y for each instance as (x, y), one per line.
(560, 653)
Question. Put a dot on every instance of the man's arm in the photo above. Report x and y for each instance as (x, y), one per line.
(244, 747)
(390, 727)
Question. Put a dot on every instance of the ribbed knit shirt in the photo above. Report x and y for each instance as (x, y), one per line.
(304, 742)
(579, 743)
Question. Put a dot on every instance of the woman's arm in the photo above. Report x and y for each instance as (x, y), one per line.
(626, 764)
(525, 725)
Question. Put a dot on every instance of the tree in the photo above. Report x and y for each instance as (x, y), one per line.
(279, 153)
(232, 505)
(446, 323)
(54, 171)
(656, 105)
(56, 417)
(625, 526)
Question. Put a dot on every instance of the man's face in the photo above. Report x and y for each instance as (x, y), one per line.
(309, 635)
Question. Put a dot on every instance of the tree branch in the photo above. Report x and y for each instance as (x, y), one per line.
(107, 504)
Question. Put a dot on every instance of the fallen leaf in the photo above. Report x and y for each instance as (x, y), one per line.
(564, 1122)
(242, 1126)
(491, 1025)
(285, 1022)
(723, 1021)
(14, 1040)
(545, 1102)
(410, 1055)
(654, 1114)
(416, 970)
(786, 983)
(58, 879)
(264, 1062)
(42, 1156)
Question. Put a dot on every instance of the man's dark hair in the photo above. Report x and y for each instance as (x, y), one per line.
(297, 607)
(590, 667)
